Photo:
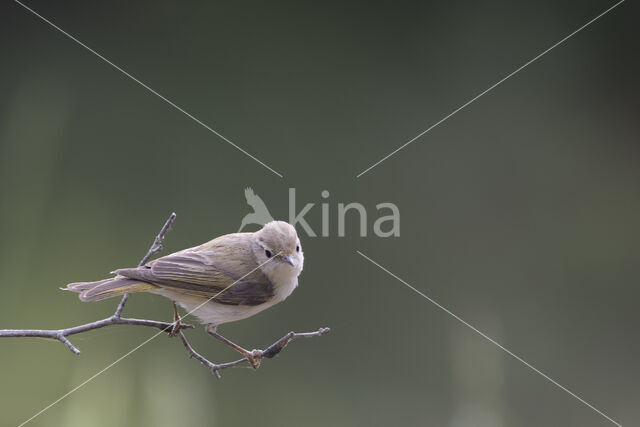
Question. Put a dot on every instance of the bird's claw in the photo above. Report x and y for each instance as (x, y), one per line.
(177, 323)
(254, 357)
(175, 330)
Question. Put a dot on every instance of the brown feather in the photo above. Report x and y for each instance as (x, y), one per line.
(214, 269)
(107, 288)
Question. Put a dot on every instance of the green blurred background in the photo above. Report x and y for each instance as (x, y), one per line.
(520, 213)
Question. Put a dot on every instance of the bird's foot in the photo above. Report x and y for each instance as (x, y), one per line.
(254, 357)
(177, 322)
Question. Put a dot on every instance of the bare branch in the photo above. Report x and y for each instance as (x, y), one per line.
(272, 351)
(155, 247)
(171, 328)
(62, 334)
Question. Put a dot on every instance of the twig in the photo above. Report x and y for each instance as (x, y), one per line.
(155, 247)
(116, 319)
(62, 334)
(272, 351)
(172, 328)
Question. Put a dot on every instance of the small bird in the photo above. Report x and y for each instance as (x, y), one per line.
(229, 278)
(260, 214)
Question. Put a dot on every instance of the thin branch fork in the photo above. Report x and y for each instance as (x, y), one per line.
(171, 328)
(272, 351)
(62, 334)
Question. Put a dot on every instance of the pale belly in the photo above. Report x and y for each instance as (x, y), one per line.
(210, 312)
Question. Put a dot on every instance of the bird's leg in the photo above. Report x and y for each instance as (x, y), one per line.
(254, 356)
(177, 325)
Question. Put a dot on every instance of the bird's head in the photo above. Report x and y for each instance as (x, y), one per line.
(278, 243)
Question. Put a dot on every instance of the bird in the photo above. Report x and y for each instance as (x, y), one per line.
(227, 279)
(260, 214)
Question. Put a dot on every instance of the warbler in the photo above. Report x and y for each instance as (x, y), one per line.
(229, 278)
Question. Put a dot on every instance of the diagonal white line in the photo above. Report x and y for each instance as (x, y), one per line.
(488, 338)
(91, 378)
(88, 380)
(489, 89)
(177, 107)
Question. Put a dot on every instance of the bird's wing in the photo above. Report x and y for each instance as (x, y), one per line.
(220, 271)
(254, 200)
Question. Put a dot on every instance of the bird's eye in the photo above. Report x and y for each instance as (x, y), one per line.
(267, 252)
(298, 248)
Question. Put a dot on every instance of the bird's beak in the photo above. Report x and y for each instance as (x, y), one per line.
(289, 260)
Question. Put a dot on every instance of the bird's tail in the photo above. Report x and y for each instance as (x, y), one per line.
(107, 288)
